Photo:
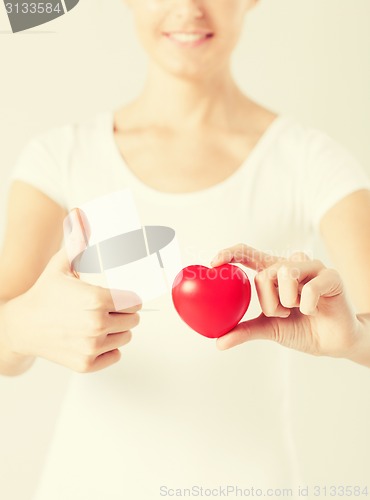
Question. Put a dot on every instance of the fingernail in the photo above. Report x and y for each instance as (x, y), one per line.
(215, 260)
(84, 223)
(67, 225)
(221, 347)
(77, 221)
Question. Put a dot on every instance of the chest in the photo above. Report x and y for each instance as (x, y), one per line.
(183, 164)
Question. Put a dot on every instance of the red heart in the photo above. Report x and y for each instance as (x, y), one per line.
(211, 300)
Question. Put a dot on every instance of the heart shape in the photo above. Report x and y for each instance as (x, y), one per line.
(211, 300)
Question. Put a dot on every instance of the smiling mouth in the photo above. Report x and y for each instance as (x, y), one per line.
(188, 39)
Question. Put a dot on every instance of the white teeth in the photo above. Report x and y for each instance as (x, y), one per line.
(187, 37)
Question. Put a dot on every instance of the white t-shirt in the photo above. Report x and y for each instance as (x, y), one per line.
(175, 412)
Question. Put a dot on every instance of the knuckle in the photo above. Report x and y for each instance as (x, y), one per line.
(127, 336)
(269, 313)
(307, 311)
(309, 289)
(286, 271)
(97, 324)
(294, 272)
(239, 247)
(318, 263)
(332, 272)
(95, 301)
(100, 325)
(297, 256)
(240, 250)
(271, 272)
(287, 302)
(260, 277)
(84, 365)
(91, 346)
(243, 248)
(284, 267)
(136, 319)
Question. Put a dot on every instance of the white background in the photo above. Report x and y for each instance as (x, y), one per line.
(307, 58)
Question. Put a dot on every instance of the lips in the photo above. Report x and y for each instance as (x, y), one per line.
(189, 39)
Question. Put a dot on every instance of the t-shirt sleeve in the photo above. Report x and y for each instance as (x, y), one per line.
(40, 163)
(331, 173)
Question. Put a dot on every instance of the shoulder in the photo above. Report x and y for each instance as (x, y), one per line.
(311, 145)
(312, 140)
(288, 128)
(59, 142)
(47, 158)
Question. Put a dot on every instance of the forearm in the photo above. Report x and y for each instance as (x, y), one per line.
(361, 351)
(11, 363)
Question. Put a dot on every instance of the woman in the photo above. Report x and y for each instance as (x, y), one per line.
(203, 158)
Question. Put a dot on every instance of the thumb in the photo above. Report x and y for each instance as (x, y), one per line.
(260, 328)
(77, 232)
(246, 255)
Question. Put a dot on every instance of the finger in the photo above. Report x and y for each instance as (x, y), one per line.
(76, 235)
(75, 241)
(77, 217)
(299, 257)
(245, 255)
(110, 352)
(288, 287)
(105, 360)
(268, 287)
(304, 271)
(123, 301)
(111, 300)
(260, 328)
(115, 340)
(288, 284)
(268, 293)
(119, 322)
(327, 283)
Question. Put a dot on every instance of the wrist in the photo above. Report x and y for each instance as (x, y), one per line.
(360, 352)
(13, 360)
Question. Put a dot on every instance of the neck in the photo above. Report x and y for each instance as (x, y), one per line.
(178, 103)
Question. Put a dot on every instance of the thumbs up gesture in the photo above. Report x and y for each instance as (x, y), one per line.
(68, 321)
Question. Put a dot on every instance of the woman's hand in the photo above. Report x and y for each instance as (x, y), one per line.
(68, 321)
(304, 304)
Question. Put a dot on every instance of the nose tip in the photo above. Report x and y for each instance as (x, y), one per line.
(189, 8)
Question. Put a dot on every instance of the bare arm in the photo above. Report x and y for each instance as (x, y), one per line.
(83, 332)
(10, 362)
(33, 235)
(345, 229)
(305, 305)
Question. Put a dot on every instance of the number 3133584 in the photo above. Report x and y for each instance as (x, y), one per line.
(33, 8)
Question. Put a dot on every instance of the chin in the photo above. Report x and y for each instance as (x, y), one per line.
(187, 70)
(186, 74)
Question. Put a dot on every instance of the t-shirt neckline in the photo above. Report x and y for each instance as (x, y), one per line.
(154, 194)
